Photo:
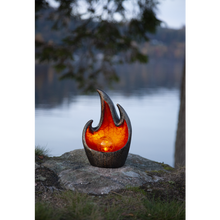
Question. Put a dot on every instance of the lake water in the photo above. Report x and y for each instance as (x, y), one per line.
(153, 115)
(149, 93)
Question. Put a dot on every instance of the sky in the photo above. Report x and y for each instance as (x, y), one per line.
(172, 12)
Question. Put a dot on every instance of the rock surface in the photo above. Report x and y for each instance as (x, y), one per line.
(76, 173)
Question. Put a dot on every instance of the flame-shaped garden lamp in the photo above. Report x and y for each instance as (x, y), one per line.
(107, 145)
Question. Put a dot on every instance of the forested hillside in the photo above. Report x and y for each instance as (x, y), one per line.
(165, 43)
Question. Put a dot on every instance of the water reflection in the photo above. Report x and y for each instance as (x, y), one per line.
(135, 79)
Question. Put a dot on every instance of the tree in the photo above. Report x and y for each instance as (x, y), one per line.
(94, 37)
(180, 135)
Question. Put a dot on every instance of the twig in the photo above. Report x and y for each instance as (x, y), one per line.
(116, 193)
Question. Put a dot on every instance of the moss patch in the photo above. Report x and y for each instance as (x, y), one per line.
(167, 167)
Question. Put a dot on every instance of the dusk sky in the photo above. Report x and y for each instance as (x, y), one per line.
(172, 12)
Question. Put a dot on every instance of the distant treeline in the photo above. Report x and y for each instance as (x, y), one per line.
(166, 42)
(169, 36)
(160, 73)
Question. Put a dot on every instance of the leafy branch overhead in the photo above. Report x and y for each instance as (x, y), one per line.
(86, 38)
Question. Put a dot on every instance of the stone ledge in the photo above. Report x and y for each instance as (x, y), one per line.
(76, 173)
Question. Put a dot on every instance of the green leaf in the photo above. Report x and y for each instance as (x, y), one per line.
(59, 67)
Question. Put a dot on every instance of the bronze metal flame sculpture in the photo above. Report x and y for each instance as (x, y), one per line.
(107, 145)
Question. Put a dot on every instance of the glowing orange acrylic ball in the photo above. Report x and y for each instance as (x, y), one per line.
(109, 137)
